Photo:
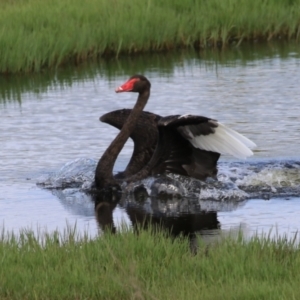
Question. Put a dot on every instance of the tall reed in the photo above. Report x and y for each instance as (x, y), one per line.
(38, 34)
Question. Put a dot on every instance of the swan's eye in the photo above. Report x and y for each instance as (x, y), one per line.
(127, 86)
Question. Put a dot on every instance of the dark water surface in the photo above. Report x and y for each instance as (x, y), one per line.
(50, 119)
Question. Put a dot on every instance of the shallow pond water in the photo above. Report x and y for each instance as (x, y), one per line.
(50, 119)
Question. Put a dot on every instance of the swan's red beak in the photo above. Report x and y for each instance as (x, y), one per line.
(127, 86)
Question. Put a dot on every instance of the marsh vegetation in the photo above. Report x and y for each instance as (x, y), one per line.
(45, 34)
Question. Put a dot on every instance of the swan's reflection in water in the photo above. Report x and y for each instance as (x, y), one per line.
(179, 217)
(189, 217)
(186, 225)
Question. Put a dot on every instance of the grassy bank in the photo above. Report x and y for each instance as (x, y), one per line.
(38, 34)
(125, 266)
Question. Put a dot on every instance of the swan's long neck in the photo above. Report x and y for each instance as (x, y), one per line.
(104, 171)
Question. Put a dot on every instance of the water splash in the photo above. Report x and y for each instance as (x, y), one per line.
(236, 181)
(79, 173)
(265, 179)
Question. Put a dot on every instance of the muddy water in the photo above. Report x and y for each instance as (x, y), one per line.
(50, 119)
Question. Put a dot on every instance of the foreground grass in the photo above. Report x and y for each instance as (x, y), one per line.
(127, 266)
(39, 34)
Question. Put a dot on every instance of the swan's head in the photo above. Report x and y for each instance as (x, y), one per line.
(136, 84)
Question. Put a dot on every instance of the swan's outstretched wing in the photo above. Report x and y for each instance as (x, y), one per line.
(210, 135)
(191, 145)
(145, 136)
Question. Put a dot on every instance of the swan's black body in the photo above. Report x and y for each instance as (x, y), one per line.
(159, 147)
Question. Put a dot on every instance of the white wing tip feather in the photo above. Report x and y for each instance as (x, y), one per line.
(239, 136)
(225, 141)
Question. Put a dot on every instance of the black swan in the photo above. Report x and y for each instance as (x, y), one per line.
(187, 144)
